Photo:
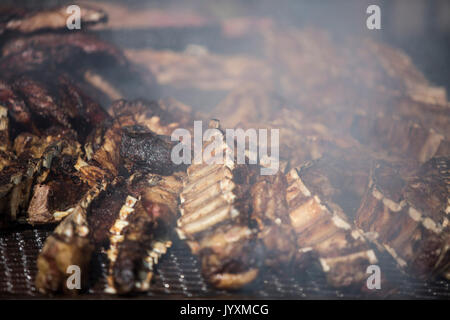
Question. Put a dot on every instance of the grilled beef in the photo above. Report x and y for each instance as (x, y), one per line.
(399, 138)
(142, 149)
(64, 47)
(56, 194)
(200, 70)
(142, 233)
(215, 212)
(120, 194)
(34, 157)
(29, 21)
(17, 109)
(405, 212)
(323, 231)
(270, 211)
(161, 117)
(68, 245)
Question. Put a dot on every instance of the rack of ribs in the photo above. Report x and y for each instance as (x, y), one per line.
(323, 230)
(215, 214)
(405, 212)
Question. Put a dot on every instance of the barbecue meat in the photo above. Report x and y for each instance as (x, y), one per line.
(405, 212)
(58, 193)
(323, 231)
(215, 211)
(248, 104)
(83, 111)
(202, 71)
(270, 211)
(29, 21)
(303, 135)
(32, 165)
(16, 106)
(54, 100)
(40, 101)
(67, 245)
(142, 149)
(58, 51)
(398, 138)
(64, 46)
(142, 231)
(161, 117)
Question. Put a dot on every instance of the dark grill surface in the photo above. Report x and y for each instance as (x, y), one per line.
(179, 276)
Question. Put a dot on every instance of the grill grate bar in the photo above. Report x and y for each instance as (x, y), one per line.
(179, 275)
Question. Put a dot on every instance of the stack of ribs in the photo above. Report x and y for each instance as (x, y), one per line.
(105, 178)
(364, 156)
(130, 206)
(238, 222)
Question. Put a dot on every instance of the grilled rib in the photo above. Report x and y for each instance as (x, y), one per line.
(215, 212)
(405, 212)
(398, 137)
(271, 213)
(322, 230)
(68, 245)
(28, 21)
(141, 234)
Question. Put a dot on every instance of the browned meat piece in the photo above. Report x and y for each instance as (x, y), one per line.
(405, 212)
(322, 229)
(230, 256)
(142, 231)
(201, 70)
(249, 104)
(102, 84)
(64, 46)
(215, 212)
(161, 117)
(6, 158)
(34, 159)
(103, 153)
(5, 143)
(16, 106)
(342, 177)
(56, 101)
(271, 213)
(67, 245)
(56, 196)
(29, 21)
(63, 51)
(143, 150)
(103, 146)
(70, 243)
(24, 61)
(397, 137)
(302, 136)
(8, 178)
(143, 17)
(84, 112)
(40, 100)
(355, 73)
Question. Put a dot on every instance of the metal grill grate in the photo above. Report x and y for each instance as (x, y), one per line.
(179, 276)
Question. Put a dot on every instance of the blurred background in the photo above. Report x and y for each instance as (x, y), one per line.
(420, 27)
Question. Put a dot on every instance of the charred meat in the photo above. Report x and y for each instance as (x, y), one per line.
(29, 21)
(323, 231)
(405, 212)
